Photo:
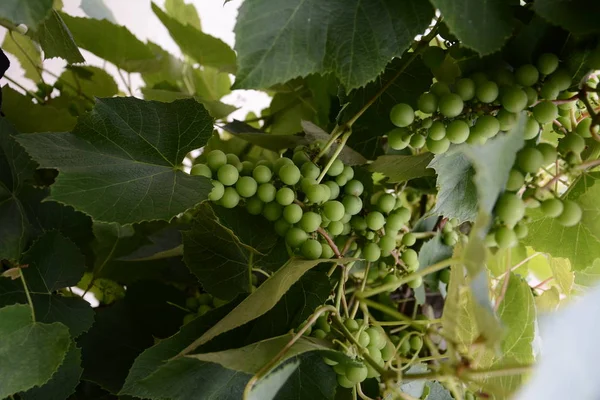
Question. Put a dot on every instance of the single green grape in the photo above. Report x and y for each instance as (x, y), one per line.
(549, 91)
(402, 115)
(398, 138)
(438, 146)
(386, 202)
(547, 63)
(516, 180)
(285, 196)
(351, 324)
(281, 227)
(216, 159)
(344, 382)
(377, 337)
(374, 352)
(254, 205)
(527, 75)
(415, 283)
(247, 168)
(388, 352)
(521, 230)
(201, 170)
(300, 157)
(230, 198)
(311, 249)
(410, 257)
(457, 131)
(319, 334)
(532, 95)
(294, 237)
(387, 243)
(335, 228)
(428, 103)
(280, 162)
(451, 105)
(439, 89)
(375, 220)
(531, 128)
(371, 252)
(310, 170)
(571, 214)
(266, 192)
(246, 186)
(289, 174)
(572, 142)
(514, 99)
(584, 128)
(217, 191)
(487, 92)
(262, 174)
(530, 160)
(352, 204)
(465, 88)
(310, 221)
(417, 141)
(506, 119)
(316, 194)
(203, 309)
(354, 188)
(334, 210)
(552, 207)
(444, 275)
(272, 211)
(409, 239)
(358, 223)
(505, 237)
(363, 339)
(356, 373)
(548, 151)
(228, 174)
(510, 208)
(561, 78)
(545, 112)
(416, 342)
(487, 125)
(337, 167)
(437, 131)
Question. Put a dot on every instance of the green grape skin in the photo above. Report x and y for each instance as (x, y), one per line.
(294, 237)
(388, 352)
(216, 159)
(232, 159)
(363, 339)
(352, 204)
(326, 253)
(487, 92)
(285, 196)
(439, 89)
(356, 373)
(246, 186)
(335, 228)
(505, 237)
(280, 163)
(377, 337)
(450, 239)
(415, 283)
(247, 168)
(289, 174)
(457, 131)
(465, 88)
(358, 223)
(201, 170)
(369, 235)
(266, 192)
(571, 214)
(584, 128)
(516, 180)
(438, 146)
(311, 249)
(427, 103)
(503, 77)
(416, 343)
(514, 99)
(402, 115)
(310, 221)
(374, 352)
(433, 56)
(521, 230)
(530, 160)
(319, 334)
(386, 203)
(487, 125)
(334, 210)
(532, 95)
(548, 151)
(228, 174)
(547, 63)
(281, 227)
(444, 276)
(437, 131)
(410, 257)
(336, 168)
(375, 220)
(191, 303)
(572, 142)
(451, 105)
(340, 369)
(506, 119)
(371, 252)
(262, 174)
(272, 211)
(348, 172)
(469, 396)
(417, 141)
(561, 78)
(347, 217)
(344, 382)
(510, 209)
(310, 170)
(352, 325)
(531, 128)
(545, 112)
(549, 91)
(527, 75)
(354, 188)
(230, 198)
(334, 189)
(254, 206)
(300, 157)
(387, 243)
(409, 239)
(316, 194)
(217, 191)
(398, 138)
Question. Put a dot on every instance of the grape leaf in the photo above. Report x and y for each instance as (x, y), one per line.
(183, 12)
(28, 12)
(576, 16)
(91, 81)
(119, 46)
(437, 391)
(267, 387)
(215, 108)
(205, 49)
(252, 230)
(348, 155)
(458, 318)
(589, 276)
(144, 143)
(26, 52)
(56, 39)
(271, 40)
(400, 168)
(482, 26)
(63, 382)
(548, 301)
(432, 251)
(580, 243)
(25, 343)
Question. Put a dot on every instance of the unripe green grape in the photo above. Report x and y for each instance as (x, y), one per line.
(326, 191)
(451, 105)
(398, 138)
(416, 342)
(201, 170)
(319, 334)
(476, 136)
(506, 119)
(344, 382)
(487, 92)
(505, 237)
(233, 159)
(216, 159)
(545, 112)
(571, 214)
(402, 115)
(450, 238)
(316, 194)
(584, 128)
(404, 213)
(465, 88)
(572, 142)
(548, 151)
(371, 252)
(514, 99)
(307, 183)
(552, 207)
(457, 131)
(254, 205)
(280, 163)
(266, 192)
(573, 159)
(561, 78)
(527, 75)
(285, 196)
(228, 174)
(410, 257)
(516, 180)
(191, 303)
(189, 318)
(289, 174)
(230, 198)
(433, 56)
(437, 131)
(374, 352)
(487, 125)
(549, 91)
(510, 208)
(530, 159)
(337, 167)
(532, 95)
(272, 211)
(388, 352)
(352, 325)
(340, 369)
(335, 228)
(439, 89)
(311, 249)
(262, 174)
(469, 396)
(503, 77)
(521, 230)
(356, 373)
(377, 337)
(386, 203)
(327, 252)
(369, 235)
(409, 239)
(363, 339)
(333, 210)
(375, 220)
(426, 123)
(352, 204)
(415, 283)
(281, 227)
(300, 157)
(444, 275)
(417, 141)
(310, 170)
(334, 189)
(310, 221)
(246, 186)
(294, 237)
(325, 222)
(531, 128)
(348, 172)
(217, 191)
(354, 188)
(387, 243)
(547, 63)
(247, 168)
(346, 218)
(358, 223)
(428, 103)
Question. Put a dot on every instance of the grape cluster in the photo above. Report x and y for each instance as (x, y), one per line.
(199, 304)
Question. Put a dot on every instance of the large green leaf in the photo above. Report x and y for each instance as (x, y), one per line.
(267, 387)
(579, 243)
(119, 46)
(30, 352)
(26, 52)
(183, 12)
(56, 39)
(350, 39)
(205, 49)
(481, 25)
(28, 12)
(127, 152)
(91, 81)
(399, 168)
(578, 17)
(432, 251)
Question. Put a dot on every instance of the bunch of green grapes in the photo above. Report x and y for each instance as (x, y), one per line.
(199, 304)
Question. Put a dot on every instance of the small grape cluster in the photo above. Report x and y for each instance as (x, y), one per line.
(199, 304)
(320, 208)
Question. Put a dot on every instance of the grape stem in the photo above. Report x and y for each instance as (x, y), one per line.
(330, 242)
(335, 155)
(581, 167)
(467, 373)
(34, 95)
(361, 394)
(27, 293)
